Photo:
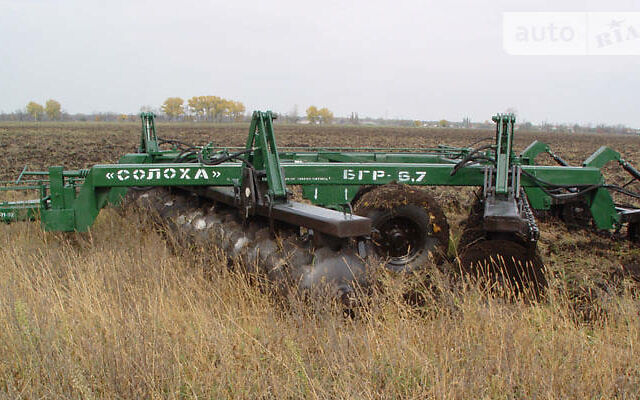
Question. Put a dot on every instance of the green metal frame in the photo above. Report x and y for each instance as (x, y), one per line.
(265, 157)
(71, 200)
(148, 137)
(504, 143)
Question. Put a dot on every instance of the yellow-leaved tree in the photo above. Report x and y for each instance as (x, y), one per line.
(326, 116)
(35, 110)
(236, 110)
(173, 107)
(214, 108)
(52, 109)
(313, 115)
(197, 106)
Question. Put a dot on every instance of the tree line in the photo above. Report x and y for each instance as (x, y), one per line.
(198, 108)
(319, 116)
(215, 108)
(52, 110)
(203, 108)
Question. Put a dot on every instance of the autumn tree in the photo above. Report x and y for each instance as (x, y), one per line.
(214, 108)
(326, 116)
(204, 107)
(313, 115)
(52, 109)
(217, 106)
(173, 107)
(197, 106)
(236, 110)
(35, 110)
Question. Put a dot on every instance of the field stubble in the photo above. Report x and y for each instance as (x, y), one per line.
(116, 313)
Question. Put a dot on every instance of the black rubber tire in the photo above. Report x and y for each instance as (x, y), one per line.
(410, 229)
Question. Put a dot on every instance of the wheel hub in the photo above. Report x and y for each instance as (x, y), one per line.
(399, 238)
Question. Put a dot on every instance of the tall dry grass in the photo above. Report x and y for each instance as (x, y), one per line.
(115, 314)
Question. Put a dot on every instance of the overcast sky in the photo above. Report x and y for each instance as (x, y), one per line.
(402, 58)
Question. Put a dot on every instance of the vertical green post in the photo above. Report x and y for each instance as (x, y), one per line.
(59, 216)
(265, 156)
(148, 137)
(56, 187)
(504, 141)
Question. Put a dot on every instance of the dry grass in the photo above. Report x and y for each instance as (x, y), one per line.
(114, 314)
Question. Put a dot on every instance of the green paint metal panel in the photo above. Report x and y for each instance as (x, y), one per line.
(311, 173)
(426, 174)
(56, 186)
(330, 195)
(265, 157)
(601, 157)
(330, 184)
(380, 173)
(277, 186)
(148, 137)
(538, 199)
(603, 209)
(504, 140)
(58, 220)
(127, 175)
(117, 194)
(88, 204)
(69, 193)
(532, 151)
(577, 176)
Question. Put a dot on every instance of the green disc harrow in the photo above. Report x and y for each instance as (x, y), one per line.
(366, 202)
